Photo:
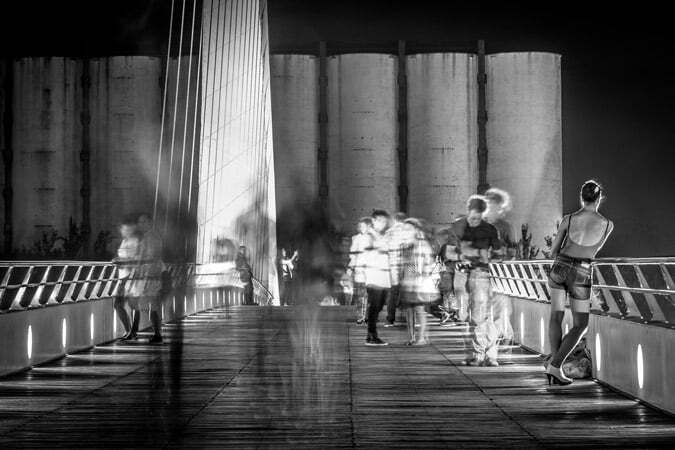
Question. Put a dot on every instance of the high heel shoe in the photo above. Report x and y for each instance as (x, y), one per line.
(555, 375)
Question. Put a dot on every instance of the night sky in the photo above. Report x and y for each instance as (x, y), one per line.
(618, 79)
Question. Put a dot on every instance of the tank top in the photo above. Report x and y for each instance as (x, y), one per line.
(578, 251)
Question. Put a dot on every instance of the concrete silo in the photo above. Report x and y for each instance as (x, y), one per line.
(524, 137)
(125, 110)
(295, 112)
(47, 141)
(442, 134)
(362, 136)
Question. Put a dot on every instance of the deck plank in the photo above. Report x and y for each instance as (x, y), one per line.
(247, 377)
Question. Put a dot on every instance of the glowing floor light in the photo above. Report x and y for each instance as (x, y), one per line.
(29, 342)
(174, 304)
(91, 326)
(640, 367)
(598, 352)
(114, 323)
(194, 302)
(64, 333)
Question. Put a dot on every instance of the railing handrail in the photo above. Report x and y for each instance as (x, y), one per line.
(637, 288)
(32, 284)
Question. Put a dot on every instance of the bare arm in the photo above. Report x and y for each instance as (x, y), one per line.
(560, 236)
(609, 231)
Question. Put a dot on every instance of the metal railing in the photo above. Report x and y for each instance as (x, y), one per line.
(35, 284)
(639, 289)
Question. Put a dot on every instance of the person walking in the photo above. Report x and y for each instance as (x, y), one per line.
(580, 237)
(126, 259)
(394, 237)
(287, 270)
(357, 266)
(151, 269)
(419, 280)
(245, 274)
(378, 281)
(498, 206)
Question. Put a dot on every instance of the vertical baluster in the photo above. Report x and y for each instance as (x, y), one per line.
(111, 281)
(35, 302)
(654, 308)
(5, 282)
(16, 303)
(54, 295)
(82, 295)
(610, 301)
(72, 284)
(97, 285)
(631, 306)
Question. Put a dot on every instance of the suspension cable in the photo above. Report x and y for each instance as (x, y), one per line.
(175, 113)
(194, 125)
(218, 127)
(161, 130)
(204, 105)
(187, 110)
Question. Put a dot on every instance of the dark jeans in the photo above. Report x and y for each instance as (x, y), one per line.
(376, 299)
(285, 292)
(393, 302)
(434, 309)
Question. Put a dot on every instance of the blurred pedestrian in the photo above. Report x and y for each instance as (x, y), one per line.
(126, 260)
(395, 244)
(378, 280)
(357, 266)
(287, 270)
(151, 278)
(498, 205)
(245, 274)
(419, 282)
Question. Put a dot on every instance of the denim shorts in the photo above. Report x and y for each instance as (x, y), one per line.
(572, 275)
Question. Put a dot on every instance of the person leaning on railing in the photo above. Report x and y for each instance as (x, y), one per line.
(580, 236)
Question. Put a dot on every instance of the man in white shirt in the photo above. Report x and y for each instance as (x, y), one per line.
(357, 266)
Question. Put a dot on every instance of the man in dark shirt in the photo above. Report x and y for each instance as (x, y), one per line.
(472, 240)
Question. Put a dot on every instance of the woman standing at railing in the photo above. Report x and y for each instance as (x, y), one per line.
(580, 236)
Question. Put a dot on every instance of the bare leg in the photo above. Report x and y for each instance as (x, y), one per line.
(422, 317)
(558, 297)
(122, 314)
(580, 311)
(410, 322)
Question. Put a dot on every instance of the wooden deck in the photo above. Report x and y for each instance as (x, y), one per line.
(251, 377)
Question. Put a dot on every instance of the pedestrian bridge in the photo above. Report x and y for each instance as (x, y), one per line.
(238, 376)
